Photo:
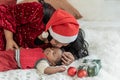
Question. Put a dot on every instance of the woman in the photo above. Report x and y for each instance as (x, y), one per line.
(39, 25)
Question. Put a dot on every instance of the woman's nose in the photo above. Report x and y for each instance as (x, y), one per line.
(59, 45)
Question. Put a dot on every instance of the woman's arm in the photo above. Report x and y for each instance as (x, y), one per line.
(10, 43)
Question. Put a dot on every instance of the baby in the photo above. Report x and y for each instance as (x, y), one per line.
(44, 61)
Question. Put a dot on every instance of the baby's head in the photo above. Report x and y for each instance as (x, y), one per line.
(53, 55)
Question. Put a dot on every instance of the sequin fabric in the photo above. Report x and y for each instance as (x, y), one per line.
(24, 20)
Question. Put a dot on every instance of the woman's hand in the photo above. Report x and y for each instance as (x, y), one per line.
(67, 58)
(11, 45)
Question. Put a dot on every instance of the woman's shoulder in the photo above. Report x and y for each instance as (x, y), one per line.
(31, 4)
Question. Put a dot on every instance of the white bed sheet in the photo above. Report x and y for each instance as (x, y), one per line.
(104, 43)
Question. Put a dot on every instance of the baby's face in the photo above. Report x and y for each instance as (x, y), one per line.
(53, 55)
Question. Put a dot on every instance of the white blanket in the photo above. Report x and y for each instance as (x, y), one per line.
(104, 43)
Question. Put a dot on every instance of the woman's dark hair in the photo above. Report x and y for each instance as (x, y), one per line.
(79, 48)
(47, 11)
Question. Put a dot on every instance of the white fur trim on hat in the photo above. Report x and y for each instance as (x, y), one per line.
(61, 38)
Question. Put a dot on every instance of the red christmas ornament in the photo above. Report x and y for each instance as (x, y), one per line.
(82, 73)
(72, 71)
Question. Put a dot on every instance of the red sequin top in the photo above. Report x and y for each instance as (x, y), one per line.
(24, 20)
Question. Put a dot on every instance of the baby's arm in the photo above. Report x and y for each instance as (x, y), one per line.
(43, 67)
(54, 69)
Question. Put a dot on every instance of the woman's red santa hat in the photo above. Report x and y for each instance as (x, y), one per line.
(63, 27)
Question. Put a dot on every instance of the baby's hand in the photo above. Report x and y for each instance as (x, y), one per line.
(61, 68)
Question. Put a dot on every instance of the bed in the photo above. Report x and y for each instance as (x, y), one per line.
(103, 37)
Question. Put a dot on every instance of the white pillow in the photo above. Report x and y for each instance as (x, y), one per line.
(21, 1)
(89, 9)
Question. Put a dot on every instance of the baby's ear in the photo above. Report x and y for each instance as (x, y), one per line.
(53, 64)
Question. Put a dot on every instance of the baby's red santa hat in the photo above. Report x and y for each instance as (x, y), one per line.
(63, 27)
